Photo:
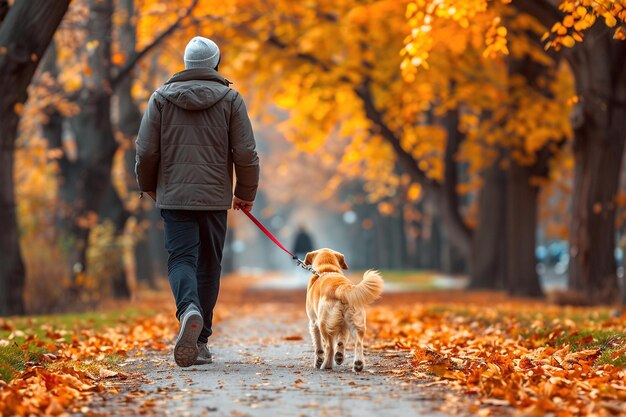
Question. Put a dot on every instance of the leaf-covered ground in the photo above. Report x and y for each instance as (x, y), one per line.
(51, 365)
(527, 355)
(492, 354)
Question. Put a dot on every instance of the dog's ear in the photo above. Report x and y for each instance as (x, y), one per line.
(342, 260)
(310, 257)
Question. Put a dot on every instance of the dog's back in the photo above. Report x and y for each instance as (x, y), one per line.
(336, 286)
(336, 307)
(334, 302)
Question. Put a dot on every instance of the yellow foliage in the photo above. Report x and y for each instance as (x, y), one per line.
(431, 22)
(309, 60)
(580, 15)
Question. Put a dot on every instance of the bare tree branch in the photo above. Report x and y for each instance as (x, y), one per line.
(130, 65)
(404, 157)
(364, 93)
(273, 40)
(445, 194)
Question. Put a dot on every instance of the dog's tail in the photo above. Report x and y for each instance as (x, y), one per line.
(365, 292)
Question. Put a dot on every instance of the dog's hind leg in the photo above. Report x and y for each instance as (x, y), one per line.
(359, 359)
(357, 331)
(328, 342)
(317, 345)
(341, 346)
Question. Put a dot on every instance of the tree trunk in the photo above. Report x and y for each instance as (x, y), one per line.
(504, 245)
(447, 194)
(599, 65)
(598, 153)
(52, 131)
(12, 274)
(113, 209)
(25, 32)
(489, 255)
(128, 121)
(429, 243)
(88, 180)
(521, 233)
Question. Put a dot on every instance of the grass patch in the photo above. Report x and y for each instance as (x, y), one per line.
(536, 329)
(411, 279)
(408, 276)
(611, 342)
(15, 332)
(12, 361)
(607, 358)
(74, 322)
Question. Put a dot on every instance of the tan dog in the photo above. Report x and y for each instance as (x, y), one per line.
(336, 307)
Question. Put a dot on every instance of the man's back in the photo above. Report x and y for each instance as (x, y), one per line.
(197, 127)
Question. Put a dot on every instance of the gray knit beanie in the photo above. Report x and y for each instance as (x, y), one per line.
(201, 53)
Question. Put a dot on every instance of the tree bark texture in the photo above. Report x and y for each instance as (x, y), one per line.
(599, 65)
(25, 32)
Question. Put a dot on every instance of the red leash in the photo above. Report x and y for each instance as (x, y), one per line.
(267, 233)
(277, 242)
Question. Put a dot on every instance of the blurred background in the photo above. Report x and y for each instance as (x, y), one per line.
(450, 144)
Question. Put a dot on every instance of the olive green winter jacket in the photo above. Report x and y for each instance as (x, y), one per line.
(192, 133)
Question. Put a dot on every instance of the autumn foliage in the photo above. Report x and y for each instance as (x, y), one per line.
(496, 354)
(531, 356)
(355, 87)
(410, 102)
(65, 367)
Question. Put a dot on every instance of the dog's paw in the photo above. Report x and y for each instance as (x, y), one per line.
(318, 362)
(358, 366)
(339, 358)
(328, 365)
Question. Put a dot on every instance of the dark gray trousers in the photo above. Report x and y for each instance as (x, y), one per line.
(195, 242)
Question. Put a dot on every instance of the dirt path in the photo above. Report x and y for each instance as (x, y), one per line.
(263, 367)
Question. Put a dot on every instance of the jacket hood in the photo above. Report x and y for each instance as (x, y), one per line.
(195, 89)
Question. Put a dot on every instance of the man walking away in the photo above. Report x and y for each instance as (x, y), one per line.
(194, 130)
(303, 242)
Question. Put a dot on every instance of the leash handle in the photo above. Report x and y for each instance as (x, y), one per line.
(277, 242)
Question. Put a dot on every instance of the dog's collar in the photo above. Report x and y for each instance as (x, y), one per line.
(321, 274)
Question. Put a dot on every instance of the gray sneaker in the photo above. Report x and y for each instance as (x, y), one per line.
(186, 349)
(204, 355)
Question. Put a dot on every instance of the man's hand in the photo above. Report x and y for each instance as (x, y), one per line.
(239, 204)
(152, 194)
